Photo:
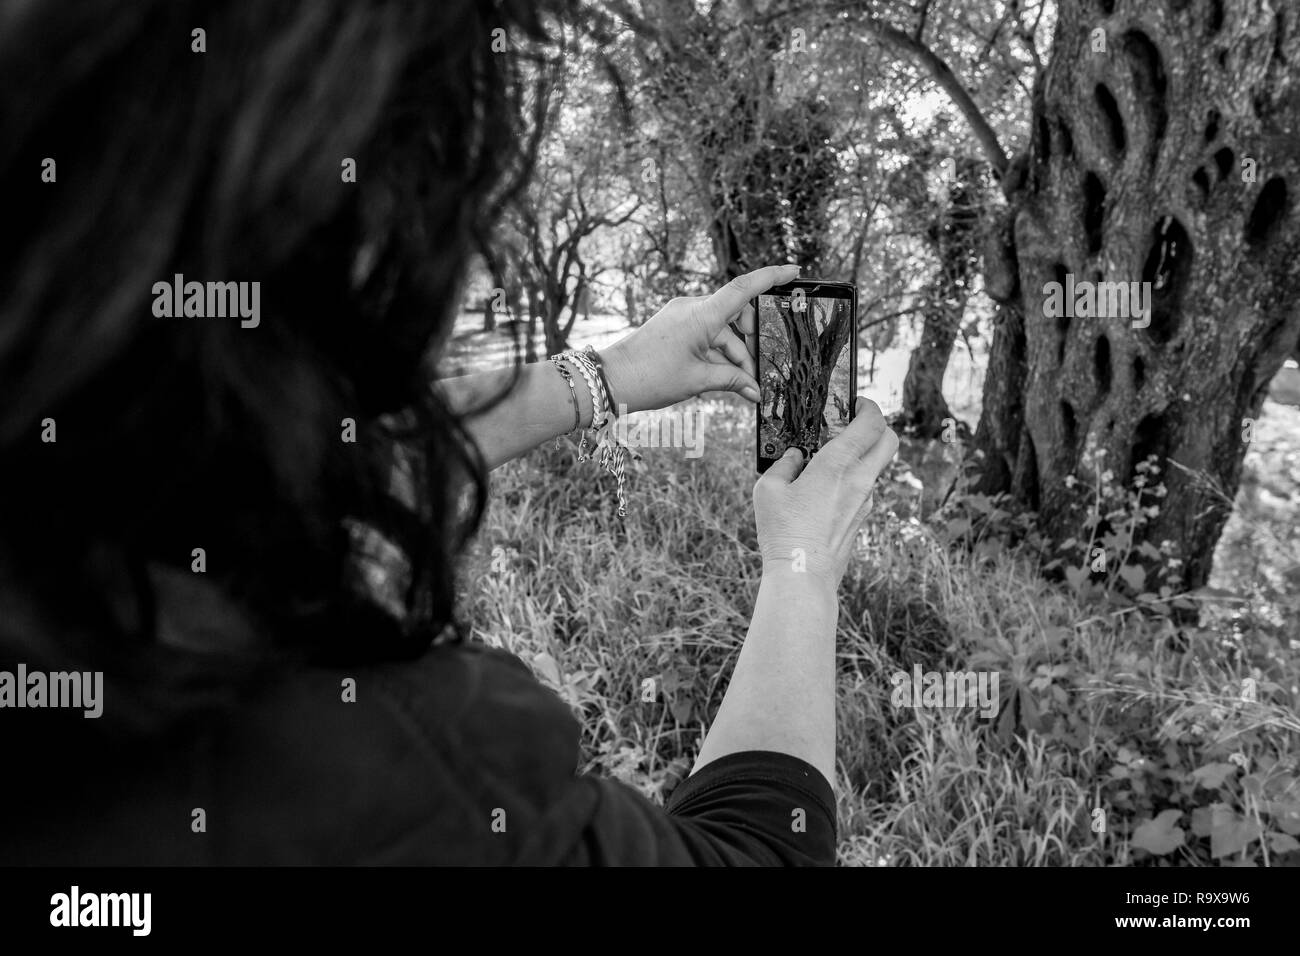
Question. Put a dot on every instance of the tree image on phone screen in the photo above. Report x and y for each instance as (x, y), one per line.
(805, 367)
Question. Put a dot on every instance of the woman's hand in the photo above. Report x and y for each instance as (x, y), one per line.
(688, 347)
(808, 517)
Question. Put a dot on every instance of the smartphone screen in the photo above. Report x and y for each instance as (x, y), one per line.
(807, 365)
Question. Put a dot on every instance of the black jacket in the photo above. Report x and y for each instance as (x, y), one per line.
(460, 758)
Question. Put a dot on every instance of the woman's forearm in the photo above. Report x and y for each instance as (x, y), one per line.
(782, 692)
(539, 407)
(689, 347)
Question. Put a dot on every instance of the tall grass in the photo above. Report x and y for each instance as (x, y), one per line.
(1102, 710)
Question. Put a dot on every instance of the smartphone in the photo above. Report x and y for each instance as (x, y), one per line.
(807, 364)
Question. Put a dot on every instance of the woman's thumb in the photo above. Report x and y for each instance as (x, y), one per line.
(786, 468)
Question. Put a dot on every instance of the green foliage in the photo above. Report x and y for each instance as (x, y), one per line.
(1112, 557)
(1104, 706)
(1193, 774)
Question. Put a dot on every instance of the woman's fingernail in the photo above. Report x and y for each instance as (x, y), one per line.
(750, 393)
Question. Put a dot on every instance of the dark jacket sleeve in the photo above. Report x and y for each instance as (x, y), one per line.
(756, 808)
(753, 808)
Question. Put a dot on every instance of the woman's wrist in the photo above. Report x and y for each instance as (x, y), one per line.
(794, 576)
(622, 381)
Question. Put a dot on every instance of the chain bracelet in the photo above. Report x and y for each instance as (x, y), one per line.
(600, 412)
(589, 377)
(573, 394)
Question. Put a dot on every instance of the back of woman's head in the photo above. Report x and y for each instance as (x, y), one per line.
(233, 164)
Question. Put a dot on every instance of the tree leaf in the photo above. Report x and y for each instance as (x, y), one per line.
(1149, 550)
(1282, 843)
(1161, 835)
(1286, 816)
(1231, 832)
(1134, 576)
(1202, 821)
(1212, 775)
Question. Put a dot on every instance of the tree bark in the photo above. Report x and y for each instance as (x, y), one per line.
(801, 369)
(1138, 171)
(953, 238)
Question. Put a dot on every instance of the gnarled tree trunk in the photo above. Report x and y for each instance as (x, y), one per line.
(1140, 170)
(812, 359)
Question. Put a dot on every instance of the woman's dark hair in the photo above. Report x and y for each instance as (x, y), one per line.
(179, 433)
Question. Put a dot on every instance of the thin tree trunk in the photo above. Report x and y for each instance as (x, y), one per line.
(924, 407)
(953, 237)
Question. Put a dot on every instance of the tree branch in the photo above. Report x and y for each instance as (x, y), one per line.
(943, 75)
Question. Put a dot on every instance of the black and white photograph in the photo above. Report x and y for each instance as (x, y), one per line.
(852, 434)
